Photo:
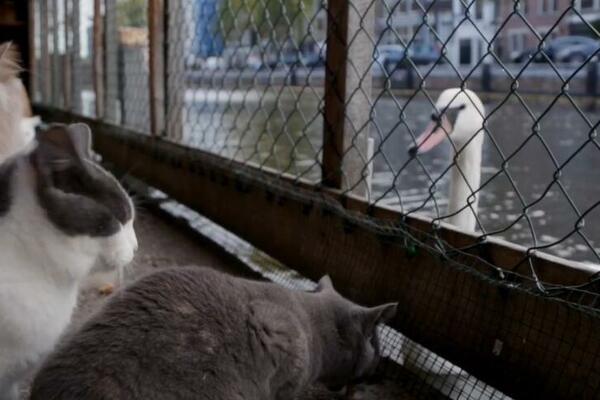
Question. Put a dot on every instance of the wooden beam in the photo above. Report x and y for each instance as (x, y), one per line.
(503, 332)
(98, 58)
(156, 15)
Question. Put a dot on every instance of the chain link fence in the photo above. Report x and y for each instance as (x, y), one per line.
(247, 82)
(479, 114)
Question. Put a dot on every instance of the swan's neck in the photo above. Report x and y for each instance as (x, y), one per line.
(464, 180)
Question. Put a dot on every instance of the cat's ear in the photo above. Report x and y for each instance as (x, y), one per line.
(81, 135)
(9, 61)
(4, 48)
(380, 314)
(61, 146)
(325, 284)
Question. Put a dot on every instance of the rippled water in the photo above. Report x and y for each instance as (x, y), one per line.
(282, 128)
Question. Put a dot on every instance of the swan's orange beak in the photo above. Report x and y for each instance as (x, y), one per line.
(434, 134)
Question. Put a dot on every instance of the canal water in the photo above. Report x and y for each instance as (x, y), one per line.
(281, 128)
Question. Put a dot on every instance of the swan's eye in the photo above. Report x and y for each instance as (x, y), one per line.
(435, 118)
(452, 113)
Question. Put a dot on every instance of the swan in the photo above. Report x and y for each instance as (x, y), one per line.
(459, 116)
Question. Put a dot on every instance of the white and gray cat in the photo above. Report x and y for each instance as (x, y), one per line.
(194, 333)
(60, 214)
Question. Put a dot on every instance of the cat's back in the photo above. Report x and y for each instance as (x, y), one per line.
(174, 334)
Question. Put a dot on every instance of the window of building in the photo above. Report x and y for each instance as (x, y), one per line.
(517, 42)
(588, 4)
(464, 52)
(478, 9)
(548, 6)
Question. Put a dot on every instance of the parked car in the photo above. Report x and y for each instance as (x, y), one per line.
(424, 54)
(579, 50)
(561, 49)
(291, 57)
(315, 57)
(389, 56)
(392, 56)
(283, 57)
(236, 57)
(256, 57)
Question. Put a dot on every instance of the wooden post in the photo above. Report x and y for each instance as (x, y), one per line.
(76, 69)
(67, 77)
(348, 82)
(45, 68)
(98, 57)
(32, 50)
(335, 92)
(156, 13)
(56, 56)
(112, 65)
(177, 34)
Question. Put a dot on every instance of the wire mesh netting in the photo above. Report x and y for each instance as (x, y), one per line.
(481, 114)
(238, 82)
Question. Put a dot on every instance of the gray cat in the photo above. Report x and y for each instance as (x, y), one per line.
(194, 333)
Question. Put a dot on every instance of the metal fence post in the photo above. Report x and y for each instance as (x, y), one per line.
(592, 78)
(348, 82)
(98, 58)
(156, 25)
(410, 77)
(486, 77)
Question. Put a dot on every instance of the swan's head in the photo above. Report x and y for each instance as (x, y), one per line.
(458, 115)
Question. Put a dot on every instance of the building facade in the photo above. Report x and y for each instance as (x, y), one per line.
(545, 18)
(446, 24)
(402, 21)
